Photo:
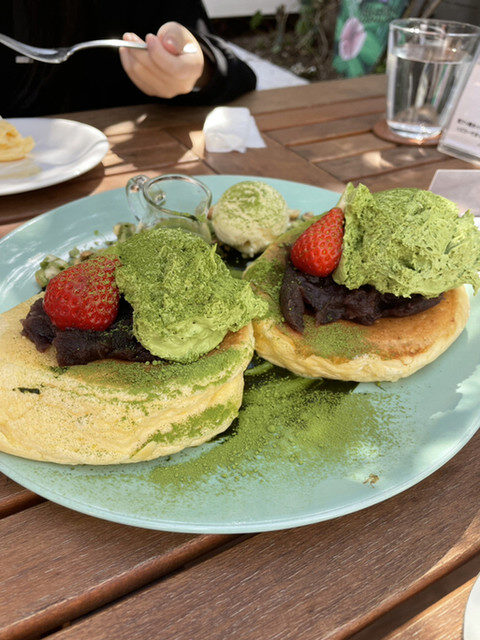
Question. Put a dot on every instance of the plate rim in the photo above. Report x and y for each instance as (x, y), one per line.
(239, 526)
(177, 526)
(469, 626)
(90, 161)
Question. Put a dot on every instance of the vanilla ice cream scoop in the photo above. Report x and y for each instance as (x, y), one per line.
(249, 216)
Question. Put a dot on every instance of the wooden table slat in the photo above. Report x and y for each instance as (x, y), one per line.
(120, 120)
(328, 580)
(14, 498)
(375, 163)
(57, 564)
(341, 147)
(140, 138)
(146, 159)
(442, 621)
(324, 130)
(415, 606)
(314, 94)
(6, 228)
(419, 177)
(273, 161)
(322, 113)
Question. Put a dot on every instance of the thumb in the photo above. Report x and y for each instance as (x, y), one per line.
(174, 37)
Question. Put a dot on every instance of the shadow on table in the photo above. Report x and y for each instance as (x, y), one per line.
(23, 206)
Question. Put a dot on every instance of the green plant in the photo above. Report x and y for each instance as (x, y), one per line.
(281, 18)
(310, 28)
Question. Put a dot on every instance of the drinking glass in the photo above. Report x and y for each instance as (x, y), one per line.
(170, 200)
(427, 61)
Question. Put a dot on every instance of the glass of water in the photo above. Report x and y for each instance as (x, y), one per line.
(427, 61)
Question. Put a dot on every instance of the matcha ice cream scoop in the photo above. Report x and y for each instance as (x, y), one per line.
(406, 241)
(249, 216)
(183, 297)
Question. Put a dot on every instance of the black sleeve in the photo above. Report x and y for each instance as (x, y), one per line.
(230, 76)
(94, 78)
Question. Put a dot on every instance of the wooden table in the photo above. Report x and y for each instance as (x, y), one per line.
(399, 570)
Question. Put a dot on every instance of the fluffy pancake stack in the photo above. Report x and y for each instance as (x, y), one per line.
(402, 242)
(390, 349)
(109, 411)
(190, 317)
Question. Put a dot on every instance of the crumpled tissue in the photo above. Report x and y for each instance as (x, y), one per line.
(231, 129)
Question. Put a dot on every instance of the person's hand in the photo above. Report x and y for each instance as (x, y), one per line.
(172, 64)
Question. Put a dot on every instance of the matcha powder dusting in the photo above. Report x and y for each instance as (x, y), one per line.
(183, 296)
(286, 424)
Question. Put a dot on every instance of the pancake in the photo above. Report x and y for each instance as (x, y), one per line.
(110, 411)
(390, 349)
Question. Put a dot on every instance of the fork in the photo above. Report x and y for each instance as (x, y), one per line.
(55, 56)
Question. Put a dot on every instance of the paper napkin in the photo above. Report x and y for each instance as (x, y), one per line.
(231, 129)
(460, 186)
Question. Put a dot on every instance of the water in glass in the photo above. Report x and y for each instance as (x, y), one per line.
(422, 87)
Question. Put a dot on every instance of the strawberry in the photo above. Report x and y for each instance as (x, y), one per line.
(317, 251)
(84, 296)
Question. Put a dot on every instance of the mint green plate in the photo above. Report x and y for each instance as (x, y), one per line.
(414, 426)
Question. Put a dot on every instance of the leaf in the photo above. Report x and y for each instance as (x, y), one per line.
(256, 20)
(372, 50)
(340, 65)
(355, 68)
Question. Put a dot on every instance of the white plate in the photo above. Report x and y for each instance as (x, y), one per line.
(471, 624)
(63, 149)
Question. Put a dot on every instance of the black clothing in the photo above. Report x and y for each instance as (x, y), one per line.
(93, 79)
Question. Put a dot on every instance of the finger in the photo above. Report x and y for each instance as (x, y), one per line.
(150, 79)
(132, 37)
(158, 72)
(158, 54)
(139, 68)
(181, 67)
(175, 38)
(128, 56)
(151, 82)
(133, 58)
(141, 82)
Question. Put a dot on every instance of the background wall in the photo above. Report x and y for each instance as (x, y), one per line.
(232, 8)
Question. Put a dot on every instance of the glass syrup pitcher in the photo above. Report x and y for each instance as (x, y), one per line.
(171, 201)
